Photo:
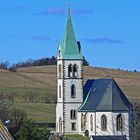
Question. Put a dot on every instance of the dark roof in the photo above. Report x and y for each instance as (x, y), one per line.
(104, 95)
(109, 137)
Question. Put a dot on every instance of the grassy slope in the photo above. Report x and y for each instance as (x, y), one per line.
(41, 81)
(38, 111)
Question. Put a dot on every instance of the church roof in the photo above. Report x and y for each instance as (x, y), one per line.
(69, 48)
(109, 137)
(104, 95)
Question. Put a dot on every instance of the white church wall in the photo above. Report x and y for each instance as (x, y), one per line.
(110, 128)
(79, 89)
(68, 120)
(66, 102)
(59, 113)
(126, 125)
(88, 123)
(111, 124)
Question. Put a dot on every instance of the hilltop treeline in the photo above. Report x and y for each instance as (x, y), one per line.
(30, 63)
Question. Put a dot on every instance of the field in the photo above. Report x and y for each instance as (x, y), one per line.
(39, 111)
(31, 88)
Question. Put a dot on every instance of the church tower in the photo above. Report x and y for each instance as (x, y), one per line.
(69, 81)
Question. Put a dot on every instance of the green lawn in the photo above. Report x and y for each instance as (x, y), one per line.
(21, 93)
(38, 111)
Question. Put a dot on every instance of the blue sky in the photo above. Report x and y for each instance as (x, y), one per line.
(109, 30)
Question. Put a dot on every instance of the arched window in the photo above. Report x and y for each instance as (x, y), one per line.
(91, 122)
(120, 122)
(73, 114)
(103, 123)
(85, 121)
(82, 122)
(70, 70)
(75, 70)
(59, 91)
(60, 124)
(59, 70)
(73, 91)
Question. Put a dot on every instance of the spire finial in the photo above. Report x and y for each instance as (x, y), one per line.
(69, 4)
(69, 17)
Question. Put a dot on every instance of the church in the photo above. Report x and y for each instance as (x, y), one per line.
(97, 109)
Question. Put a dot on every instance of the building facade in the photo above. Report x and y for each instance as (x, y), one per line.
(99, 109)
(69, 81)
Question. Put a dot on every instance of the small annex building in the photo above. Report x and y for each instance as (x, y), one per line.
(99, 109)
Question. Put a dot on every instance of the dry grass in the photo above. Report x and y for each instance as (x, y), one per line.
(128, 81)
(44, 77)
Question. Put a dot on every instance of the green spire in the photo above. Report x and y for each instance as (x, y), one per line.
(69, 47)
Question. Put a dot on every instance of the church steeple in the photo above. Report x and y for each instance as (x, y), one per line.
(69, 48)
(69, 81)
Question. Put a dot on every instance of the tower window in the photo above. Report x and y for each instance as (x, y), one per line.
(73, 91)
(59, 91)
(73, 126)
(91, 122)
(75, 70)
(59, 70)
(103, 123)
(120, 122)
(60, 125)
(85, 121)
(70, 70)
(82, 122)
(73, 114)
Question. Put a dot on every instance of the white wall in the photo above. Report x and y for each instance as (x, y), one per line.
(68, 120)
(111, 124)
(79, 90)
(65, 104)
(59, 113)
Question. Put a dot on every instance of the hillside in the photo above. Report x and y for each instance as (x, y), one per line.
(32, 85)
(42, 80)
(45, 77)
